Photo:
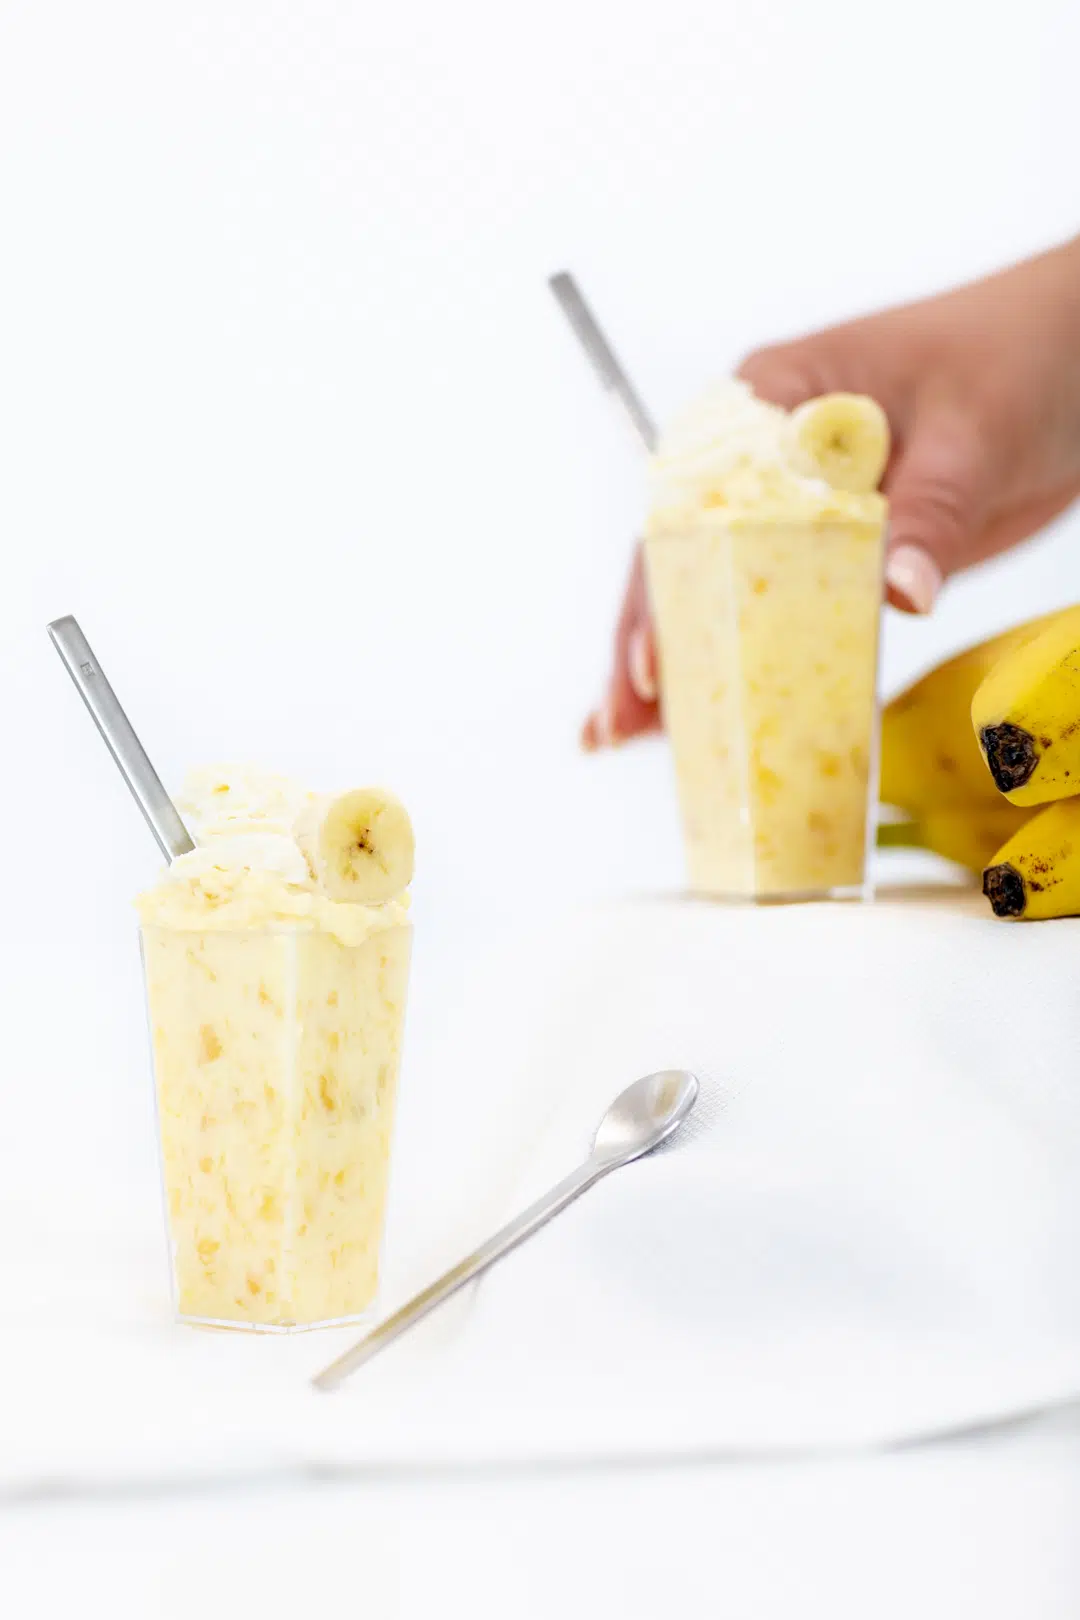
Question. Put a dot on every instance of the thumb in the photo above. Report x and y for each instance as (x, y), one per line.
(788, 373)
(938, 491)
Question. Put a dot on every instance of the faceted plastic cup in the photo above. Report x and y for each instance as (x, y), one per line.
(767, 636)
(276, 1056)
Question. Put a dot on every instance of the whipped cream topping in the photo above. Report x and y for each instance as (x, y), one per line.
(274, 853)
(247, 870)
(729, 452)
(228, 799)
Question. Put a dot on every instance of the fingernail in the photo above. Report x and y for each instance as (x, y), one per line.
(914, 576)
(639, 663)
(597, 733)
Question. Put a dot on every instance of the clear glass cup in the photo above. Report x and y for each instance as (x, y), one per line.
(767, 636)
(276, 1055)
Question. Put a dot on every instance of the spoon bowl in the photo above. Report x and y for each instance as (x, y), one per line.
(644, 1115)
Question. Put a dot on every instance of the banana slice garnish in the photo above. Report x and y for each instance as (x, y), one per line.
(359, 846)
(842, 438)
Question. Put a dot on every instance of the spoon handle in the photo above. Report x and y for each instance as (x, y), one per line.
(119, 734)
(514, 1233)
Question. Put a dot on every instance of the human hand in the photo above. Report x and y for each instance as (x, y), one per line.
(982, 390)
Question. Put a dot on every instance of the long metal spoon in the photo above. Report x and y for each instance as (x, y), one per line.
(119, 734)
(611, 374)
(639, 1119)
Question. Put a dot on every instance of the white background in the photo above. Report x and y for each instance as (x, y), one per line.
(288, 419)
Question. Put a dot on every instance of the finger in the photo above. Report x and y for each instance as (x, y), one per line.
(618, 720)
(939, 495)
(786, 374)
(913, 579)
(641, 663)
(628, 716)
(1008, 529)
(594, 731)
(630, 705)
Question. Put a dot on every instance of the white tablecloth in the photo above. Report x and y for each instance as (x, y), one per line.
(871, 1232)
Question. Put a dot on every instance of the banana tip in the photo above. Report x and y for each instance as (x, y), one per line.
(1011, 755)
(1004, 888)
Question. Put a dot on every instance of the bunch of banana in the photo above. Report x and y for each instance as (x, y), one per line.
(973, 746)
(358, 846)
(930, 757)
(931, 767)
(1026, 715)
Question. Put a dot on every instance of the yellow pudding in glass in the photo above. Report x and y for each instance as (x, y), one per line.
(765, 584)
(276, 1016)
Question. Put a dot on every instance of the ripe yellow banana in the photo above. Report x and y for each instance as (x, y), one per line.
(358, 846)
(843, 438)
(970, 835)
(930, 758)
(1026, 715)
(1037, 872)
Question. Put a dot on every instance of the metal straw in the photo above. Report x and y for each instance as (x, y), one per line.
(125, 748)
(611, 374)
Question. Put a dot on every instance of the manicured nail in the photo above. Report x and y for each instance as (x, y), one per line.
(597, 732)
(639, 662)
(913, 575)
